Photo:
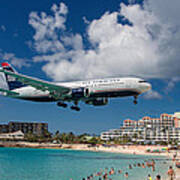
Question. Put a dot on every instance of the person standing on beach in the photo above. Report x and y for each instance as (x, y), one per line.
(171, 173)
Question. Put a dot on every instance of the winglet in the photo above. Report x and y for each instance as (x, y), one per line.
(5, 64)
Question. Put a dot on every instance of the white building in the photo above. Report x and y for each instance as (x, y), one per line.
(166, 128)
(14, 135)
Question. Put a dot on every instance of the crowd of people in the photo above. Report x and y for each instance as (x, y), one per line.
(107, 173)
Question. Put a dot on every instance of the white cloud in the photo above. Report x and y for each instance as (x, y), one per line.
(152, 95)
(3, 28)
(85, 20)
(16, 61)
(171, 84)
(148, 48)
(47, 29)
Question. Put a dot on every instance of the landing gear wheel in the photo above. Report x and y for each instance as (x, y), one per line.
(76, 108)
(61, 104)
(135, 102)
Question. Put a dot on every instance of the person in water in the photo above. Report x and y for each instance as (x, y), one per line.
(126, 175)
(153, 165)
(171, 173)
(119, 171)
(143, 165)
(105, 176)
(149, 177)
(158, 177)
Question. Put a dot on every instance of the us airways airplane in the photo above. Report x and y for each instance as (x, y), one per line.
(93, 92)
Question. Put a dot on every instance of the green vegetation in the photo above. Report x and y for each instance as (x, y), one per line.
(71, 138)
(68, 138)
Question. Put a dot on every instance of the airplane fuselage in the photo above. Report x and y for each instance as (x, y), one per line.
(108, 87)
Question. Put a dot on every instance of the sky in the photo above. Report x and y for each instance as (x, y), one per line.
(76, 40)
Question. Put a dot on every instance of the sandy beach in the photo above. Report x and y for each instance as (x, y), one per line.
(125, 149)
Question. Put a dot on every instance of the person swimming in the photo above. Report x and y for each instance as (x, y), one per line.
(143, 165)
(126, 175)
(119, 171)
(158, 177)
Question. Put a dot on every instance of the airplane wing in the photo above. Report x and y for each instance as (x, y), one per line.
(55, 90)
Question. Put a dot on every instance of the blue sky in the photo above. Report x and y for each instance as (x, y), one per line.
(139, 42)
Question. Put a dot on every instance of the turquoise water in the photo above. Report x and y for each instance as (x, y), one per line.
(45, 164)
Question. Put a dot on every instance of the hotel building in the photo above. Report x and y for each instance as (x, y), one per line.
(38, 129)
(163, 129)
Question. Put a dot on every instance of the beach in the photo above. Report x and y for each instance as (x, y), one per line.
(127, 149)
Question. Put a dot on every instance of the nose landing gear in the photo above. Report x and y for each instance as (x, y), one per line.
(75, 107)
(135, 100)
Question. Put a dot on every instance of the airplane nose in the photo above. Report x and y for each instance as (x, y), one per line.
(145, 87)
(149, 87)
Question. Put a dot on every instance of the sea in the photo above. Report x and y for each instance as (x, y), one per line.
(53, 164)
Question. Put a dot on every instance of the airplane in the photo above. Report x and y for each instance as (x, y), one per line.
(94, 92)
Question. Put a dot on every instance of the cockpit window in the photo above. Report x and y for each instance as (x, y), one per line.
(142, 81)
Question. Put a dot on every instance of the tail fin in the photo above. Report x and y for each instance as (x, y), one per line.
(12, 82)
(7, 67)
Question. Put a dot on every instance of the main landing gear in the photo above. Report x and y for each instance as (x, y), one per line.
(135, 100)
(61, 104)
(75, 107)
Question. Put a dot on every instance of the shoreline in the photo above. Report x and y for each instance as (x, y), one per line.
(123, 149)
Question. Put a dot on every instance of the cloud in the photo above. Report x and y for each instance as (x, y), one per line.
(86, 21)
(152, 95)
(15, 35)
(171, 84)
(16, 61)
(148, 46)
(3, 28)
(47, 29)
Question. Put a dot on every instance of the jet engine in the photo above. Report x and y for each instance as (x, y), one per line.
(98, 101)
(80, 93)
